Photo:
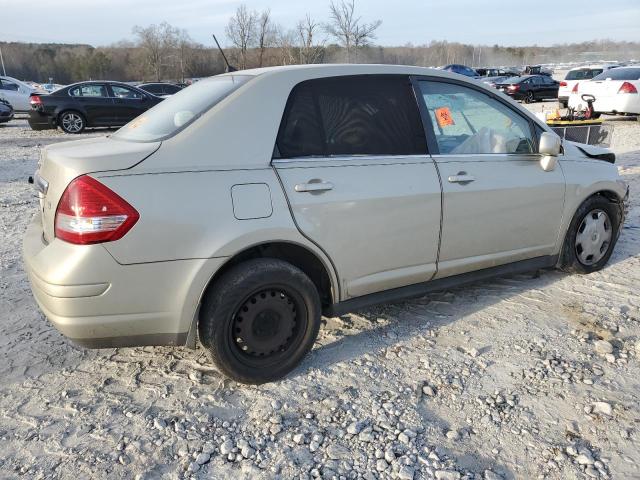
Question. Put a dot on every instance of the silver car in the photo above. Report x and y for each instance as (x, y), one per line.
(243, 208)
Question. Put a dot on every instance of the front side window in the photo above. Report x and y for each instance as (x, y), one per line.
(466, 121)
(355, 115)
(124, 92)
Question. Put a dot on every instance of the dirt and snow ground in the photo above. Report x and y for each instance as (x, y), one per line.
(503, 379)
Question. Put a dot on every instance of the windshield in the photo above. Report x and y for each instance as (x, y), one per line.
(177, 112)
(620, 74)
(583, 74)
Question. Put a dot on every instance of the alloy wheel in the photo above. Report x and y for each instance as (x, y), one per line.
(72, 122)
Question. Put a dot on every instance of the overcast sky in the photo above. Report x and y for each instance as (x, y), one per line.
(505, 22)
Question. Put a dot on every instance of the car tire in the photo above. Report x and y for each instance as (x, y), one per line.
(259, 319)
(71, 121)
(591, 237)
(529, 97)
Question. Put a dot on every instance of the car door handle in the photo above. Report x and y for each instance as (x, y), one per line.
(317, 186)
(461, 178)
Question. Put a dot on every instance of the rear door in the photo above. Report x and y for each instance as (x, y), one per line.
(94, 102)
(352, 158)
(499, 206)
(128, 102)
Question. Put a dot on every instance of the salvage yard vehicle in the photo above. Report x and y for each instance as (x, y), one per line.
(614, 91)
(576, 75)
(160, 89)
(16, 93)
(461, 70)
(6, 111)
(530, 88)
(241, 209)
(89, 104)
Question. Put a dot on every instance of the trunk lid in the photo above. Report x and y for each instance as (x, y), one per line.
(60, 163)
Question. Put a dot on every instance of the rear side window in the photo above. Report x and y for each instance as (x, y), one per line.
(90, 90)
(620, 74)
(356, 115)
(180, 110)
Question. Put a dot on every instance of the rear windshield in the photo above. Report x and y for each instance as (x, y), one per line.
(583, 74)
(179, 111)
(620, 74)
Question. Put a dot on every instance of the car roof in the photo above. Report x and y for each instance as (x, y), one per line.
(339, 69)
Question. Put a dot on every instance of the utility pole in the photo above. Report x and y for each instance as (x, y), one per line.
(4, 72)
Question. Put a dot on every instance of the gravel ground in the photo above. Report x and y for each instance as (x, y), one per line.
(529, 376)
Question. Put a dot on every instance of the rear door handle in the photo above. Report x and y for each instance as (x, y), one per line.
(312, 186)
(462, 178)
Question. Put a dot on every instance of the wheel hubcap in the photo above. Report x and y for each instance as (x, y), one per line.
(265, 323)
(593, 237)
(72, 122)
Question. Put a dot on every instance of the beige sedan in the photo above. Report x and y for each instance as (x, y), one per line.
(244, 207)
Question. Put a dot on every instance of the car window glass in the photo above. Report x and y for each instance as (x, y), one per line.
(620, 74)
(171, 89)
(155, 89)
(356, 115)
(537, 81)
(123, 92)
(89, 91)
(7, 85)
(466, 121)
(180, 110)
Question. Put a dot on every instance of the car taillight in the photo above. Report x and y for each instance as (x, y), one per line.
(35, 100)
(564, 84)
(89, 212)
(628, 88)
(575, 88)
(513, 88)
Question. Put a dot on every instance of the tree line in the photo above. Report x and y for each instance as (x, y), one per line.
(255, 39)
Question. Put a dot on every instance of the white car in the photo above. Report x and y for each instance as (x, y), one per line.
(615, 91)
(578, 74)
(16, 93)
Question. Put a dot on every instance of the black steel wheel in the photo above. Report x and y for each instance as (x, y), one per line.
(259, 320)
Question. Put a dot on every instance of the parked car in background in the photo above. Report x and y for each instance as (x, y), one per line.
(89, 104)
(576, 75)
(493, 81)
(614, 91)
(16, 93)
(359, 184)
(530, 88)
(51, 87)
(536, 70)
(160, 89)
(497, 72)
(461, 69)
(6, 111)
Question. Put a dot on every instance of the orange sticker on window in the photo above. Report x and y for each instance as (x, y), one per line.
(444, 117)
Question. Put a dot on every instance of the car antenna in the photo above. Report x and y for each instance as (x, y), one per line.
(230, 68)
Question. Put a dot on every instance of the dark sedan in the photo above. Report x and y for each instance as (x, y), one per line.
(160, 89)
(6, 111)
(89, 104)
(530, 88)
(461, 70)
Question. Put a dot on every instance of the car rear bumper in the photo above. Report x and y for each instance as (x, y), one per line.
(99, 303)
(40, 121)
(622, 103)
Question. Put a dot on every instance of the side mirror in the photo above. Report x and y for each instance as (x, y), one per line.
(550, 144)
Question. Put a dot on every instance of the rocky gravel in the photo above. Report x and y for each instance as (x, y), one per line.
(529, 376)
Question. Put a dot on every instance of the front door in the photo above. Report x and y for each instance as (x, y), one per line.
(499, 206)
(351, 155)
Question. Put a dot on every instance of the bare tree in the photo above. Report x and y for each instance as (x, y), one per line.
(346, 27)
(265, 34)
(157, 41)
(310, 52)
(184, 46)
(241, 30)
(285, 41)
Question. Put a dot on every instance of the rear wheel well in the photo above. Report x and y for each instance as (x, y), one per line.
(292, 253)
